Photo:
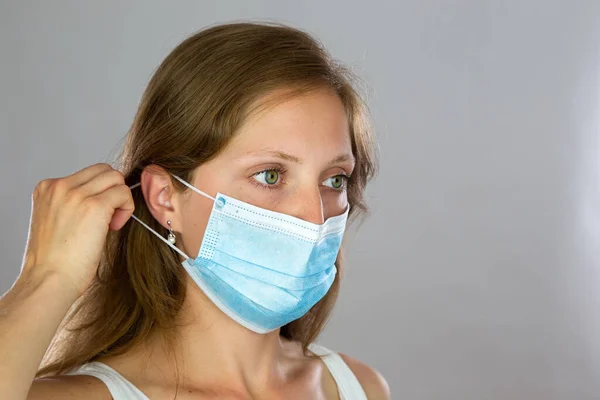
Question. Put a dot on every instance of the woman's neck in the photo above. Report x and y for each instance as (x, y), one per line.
(212, 349)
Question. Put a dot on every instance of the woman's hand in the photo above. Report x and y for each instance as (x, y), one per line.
(70, 219)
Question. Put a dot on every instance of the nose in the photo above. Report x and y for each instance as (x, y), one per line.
(308, 206)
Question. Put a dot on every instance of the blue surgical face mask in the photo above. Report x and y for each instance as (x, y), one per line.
(262, 268)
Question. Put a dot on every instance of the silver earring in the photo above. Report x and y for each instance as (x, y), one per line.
(171, 237)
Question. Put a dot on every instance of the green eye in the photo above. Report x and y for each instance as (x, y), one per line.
(268, 177)
(336, 182)
(271, 177)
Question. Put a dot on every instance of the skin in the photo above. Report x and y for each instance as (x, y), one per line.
(292, 158)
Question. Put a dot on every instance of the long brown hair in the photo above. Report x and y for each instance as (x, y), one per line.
(193, 105)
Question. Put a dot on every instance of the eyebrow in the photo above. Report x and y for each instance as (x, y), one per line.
(288, 157)
(342, 158)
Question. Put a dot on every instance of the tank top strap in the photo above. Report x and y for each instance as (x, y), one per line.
(348, 385)
(119, 387)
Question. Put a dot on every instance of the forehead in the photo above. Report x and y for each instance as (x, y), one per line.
(302, 123)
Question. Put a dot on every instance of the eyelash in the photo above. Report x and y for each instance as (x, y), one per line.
(282, 171)
(346, 179)
(279, 170)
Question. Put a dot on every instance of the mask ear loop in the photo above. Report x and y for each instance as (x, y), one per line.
(158, 235)
(195, 189)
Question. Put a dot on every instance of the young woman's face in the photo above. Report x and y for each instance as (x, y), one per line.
(294, 158)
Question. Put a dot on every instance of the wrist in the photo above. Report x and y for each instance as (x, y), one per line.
(43, 280)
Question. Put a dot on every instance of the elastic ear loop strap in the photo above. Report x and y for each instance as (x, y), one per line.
(158, 235)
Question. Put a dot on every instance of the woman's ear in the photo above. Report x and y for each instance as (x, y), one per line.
(159, 194)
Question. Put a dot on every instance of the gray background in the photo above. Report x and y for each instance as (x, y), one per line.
(477, 275)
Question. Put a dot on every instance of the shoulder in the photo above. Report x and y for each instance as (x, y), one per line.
(373, 383)
(68, 387)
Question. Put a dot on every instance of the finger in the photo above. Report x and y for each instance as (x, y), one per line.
(82, 176)
(119, 219)
(119, 199)
(102, 182)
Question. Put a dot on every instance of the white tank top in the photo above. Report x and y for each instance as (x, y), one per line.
(121, 389)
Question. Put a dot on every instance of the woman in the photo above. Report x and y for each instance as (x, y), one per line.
(250, 149)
